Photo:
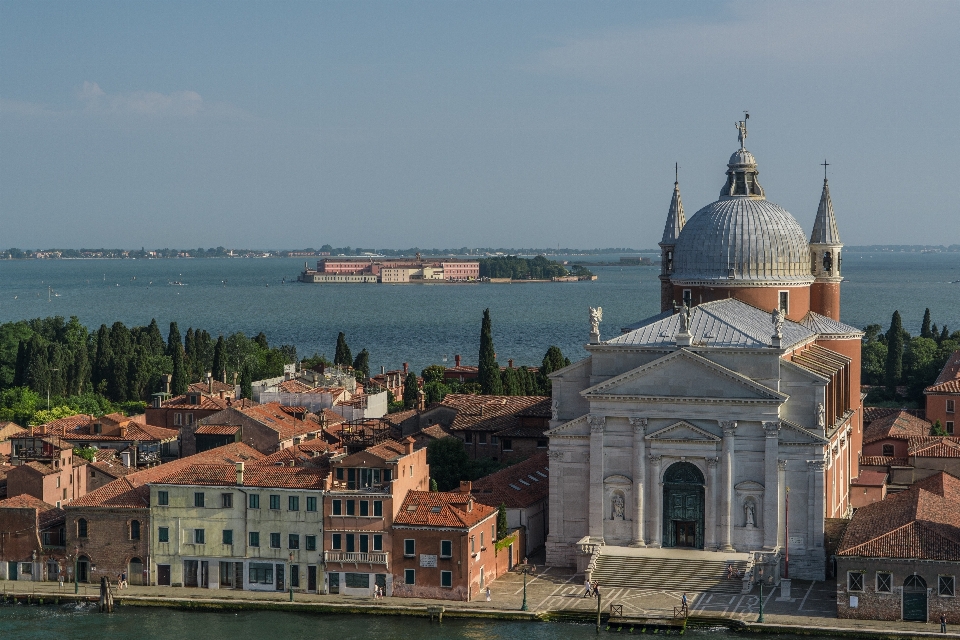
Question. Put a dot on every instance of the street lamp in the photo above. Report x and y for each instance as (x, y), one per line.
(290, 577)
(523, 607)
(760, 619)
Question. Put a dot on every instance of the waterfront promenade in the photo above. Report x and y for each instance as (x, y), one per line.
(552, 594)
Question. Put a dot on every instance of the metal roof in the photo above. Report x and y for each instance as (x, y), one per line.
(675, 218)
(825, 226)
(828, 326)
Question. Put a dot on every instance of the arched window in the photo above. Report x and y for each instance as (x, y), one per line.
(82, 528)
(135, 530)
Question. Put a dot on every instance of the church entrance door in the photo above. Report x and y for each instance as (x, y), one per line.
(683, 506)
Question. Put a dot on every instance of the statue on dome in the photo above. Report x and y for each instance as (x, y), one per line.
(596, 315)
(684, 318)
(742, 131)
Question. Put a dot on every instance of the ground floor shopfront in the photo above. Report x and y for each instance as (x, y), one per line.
(250, 574)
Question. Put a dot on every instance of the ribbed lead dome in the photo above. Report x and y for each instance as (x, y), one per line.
(742, 238)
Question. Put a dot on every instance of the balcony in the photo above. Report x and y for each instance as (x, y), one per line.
(356, 557)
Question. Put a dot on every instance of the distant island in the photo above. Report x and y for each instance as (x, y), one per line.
(324, 251)
(907, 248)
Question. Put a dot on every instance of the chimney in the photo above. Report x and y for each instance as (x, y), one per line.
(210, 382)
(125, 458)
(167, 381)
(510, 363)
(221, 394)
(157, 401)
(123, 431)
(405, 368)
(240, 473)
(465, 486)
(383, 370)
(408, 445)
(41, 430)
(456, 360)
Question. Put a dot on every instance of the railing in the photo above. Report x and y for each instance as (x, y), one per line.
(345, 485)
(356, 557)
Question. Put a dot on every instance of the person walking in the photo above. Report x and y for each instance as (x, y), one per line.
(61, 579)
(683, 603)
(596, 589)
(943, 622)
(586, 588)
(488, 594)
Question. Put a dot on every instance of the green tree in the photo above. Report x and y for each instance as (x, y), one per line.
(190, 356)
(937, 429)
(410, 390)
(553, 360)
(433, 373)
(361, 365)
(153, 339)
(488, 374)
(944, 334)
(219, 367)
(246, 382)
(502, 529)
(261, 340)
(173, 340)
(925, 326)
(874, 362)
(342, 357)
(433, 485)
(894, 367)
(510, 383)
(920, 365)
(434, 392)
(180, 382)
(448, 462)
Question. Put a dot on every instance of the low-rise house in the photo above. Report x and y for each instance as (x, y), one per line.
(869, 487)
(265, 427)
(31, 539)
(899, 558)
(444, 545)
(108, 530)
(943, 396)
(115, 431)
(7, 431)
(234, 526)
(108, 465)
(524, 488)
(889, 435)
(184, 410)
(364, 493)
(45, 468)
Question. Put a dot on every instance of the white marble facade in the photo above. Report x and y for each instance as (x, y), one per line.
(742, 416)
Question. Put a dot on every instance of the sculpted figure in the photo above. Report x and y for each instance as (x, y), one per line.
(617, 507)
(684, 318)
(555, 409)
(742, 132)
(821, 415)
(596, 315)
(778, 319)
(751, 514)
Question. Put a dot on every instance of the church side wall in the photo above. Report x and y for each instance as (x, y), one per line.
(569, 485)
(765, 297)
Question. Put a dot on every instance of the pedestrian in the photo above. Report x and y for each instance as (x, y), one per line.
(943, 622)
(123, 580)
(683, 602)
(119, 581)
(596, 589)
(488, 594)
(61, 579)
(586, 588)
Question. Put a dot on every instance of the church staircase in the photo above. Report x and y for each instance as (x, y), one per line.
(668, 569)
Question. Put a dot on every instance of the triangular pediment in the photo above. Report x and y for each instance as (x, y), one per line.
(576, 428)
(791, 433)
(683, 374)
(683, 431)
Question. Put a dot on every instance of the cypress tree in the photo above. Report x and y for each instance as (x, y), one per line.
(20, 369)
(246, 382)
(488, 373)
(179, 383)
(510, 382)
(925, 326)
(173, 339)
(935, 332)
(121, 353)
(411, 389)
(261, 340)
(204, 351)
(219, 367)
(342, 357)
(153, 339)
(190, 355)
(894, 369)
(362, 364)
(944, 335)
(102, 359)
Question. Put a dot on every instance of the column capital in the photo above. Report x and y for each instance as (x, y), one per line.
(655, 459)
(712, 462)
(772, 428)
(782, 465)
(596, 422)
(729, 427)
(639, 425)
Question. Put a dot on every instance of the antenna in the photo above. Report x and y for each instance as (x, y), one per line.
(825, 165)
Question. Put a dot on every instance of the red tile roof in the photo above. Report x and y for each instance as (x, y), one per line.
(77, 429)
(442, 509)
(935, 447)
(203, 387)
(882, 461)
(873, 413)
(518, 486)
(254, 475)
(870, 479)
(217, 429)
(272, 416)
(949, 379)
(25, 501)
(387, 450)
(206, 403)
(922, 523)
(132, 492)
(896, 426)
(488, 413)
(394, 419)
(10, 429)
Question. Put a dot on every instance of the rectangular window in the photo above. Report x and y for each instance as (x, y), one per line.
(254, 538)
(542, 444)
(274, 540)
(163, 498)
(358, 580)
(189, 418)
(311, 504)
(364, 543)
(261, 573)
(446, 579)
(364, 507)
(950, 427)
(387, 475)
(198, 499)
(228, 536)
(199, 535)
(409, 576)
(295, 576)
(482, 438)
(254, 500)
(293, 503)
(468, 437)
(507, 444)
(409, 548)
(337, 507)
(854, 581)
(945, 586)
(339, 473)
(378, 542)
(378, 508)
(785, 302)
(481, 540)
(293, 541)
(351, 539)
(226, 500)
(494, 440)
(311, 543)
(336, 541)
(884, 582)
(888, 450)
(177, 419)
(688, 297)
(163, 534)
(446, 548)
(951, 406)
(275, 503)
(351, 478)
(351, 507)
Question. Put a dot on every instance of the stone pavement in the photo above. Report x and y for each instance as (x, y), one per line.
(553, 589)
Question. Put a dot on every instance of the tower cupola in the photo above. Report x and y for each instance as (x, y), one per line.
(825, 258)
(671, 231)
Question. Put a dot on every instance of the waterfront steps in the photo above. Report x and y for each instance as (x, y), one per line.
(669, 569)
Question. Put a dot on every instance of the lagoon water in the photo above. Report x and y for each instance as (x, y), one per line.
(419, 324)
(41, 623)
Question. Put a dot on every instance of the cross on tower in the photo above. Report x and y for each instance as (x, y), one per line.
(676, 173)
(825, 165)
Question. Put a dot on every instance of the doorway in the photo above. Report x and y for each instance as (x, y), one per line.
(191, 569)
(312, 577)
(135, 572)
(334, 582)
(683, 506)
(914, 599)
(163, 575)
(83, 569)
(685, 533)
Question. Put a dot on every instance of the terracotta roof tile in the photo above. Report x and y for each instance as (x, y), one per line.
(77, 429)
(206, 403)
(870, 479)
(517, 486)
(25, 501)
(882, 461)
(272, 416)
(387, 450)
(899, 425)
(951, 370)
(254, 475)
(10, 429)
(394, 419)
(204, 387)
(935, 447)
(488, 413)
(217, 429)
(442, 509)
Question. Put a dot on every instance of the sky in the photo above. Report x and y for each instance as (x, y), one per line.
(448, 124)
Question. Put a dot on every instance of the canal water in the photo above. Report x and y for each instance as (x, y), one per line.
(21, 622)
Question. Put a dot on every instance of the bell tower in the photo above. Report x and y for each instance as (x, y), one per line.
(671, 231)
(825, 257)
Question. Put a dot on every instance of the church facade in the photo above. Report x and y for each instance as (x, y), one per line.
(733, 411)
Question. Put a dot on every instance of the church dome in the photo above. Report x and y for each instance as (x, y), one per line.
(742, 237)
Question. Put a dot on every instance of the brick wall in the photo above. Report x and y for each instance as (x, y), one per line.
(108, 544)
(874, 605)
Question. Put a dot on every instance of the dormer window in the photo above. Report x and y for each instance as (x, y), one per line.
(194, 399)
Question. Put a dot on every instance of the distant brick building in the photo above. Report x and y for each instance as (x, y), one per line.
(31, 539)
(524, 488)
(265, 427)
(943, 396)
(45, 468)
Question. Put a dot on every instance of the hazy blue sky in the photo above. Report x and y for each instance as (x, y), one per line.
(286, 124)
